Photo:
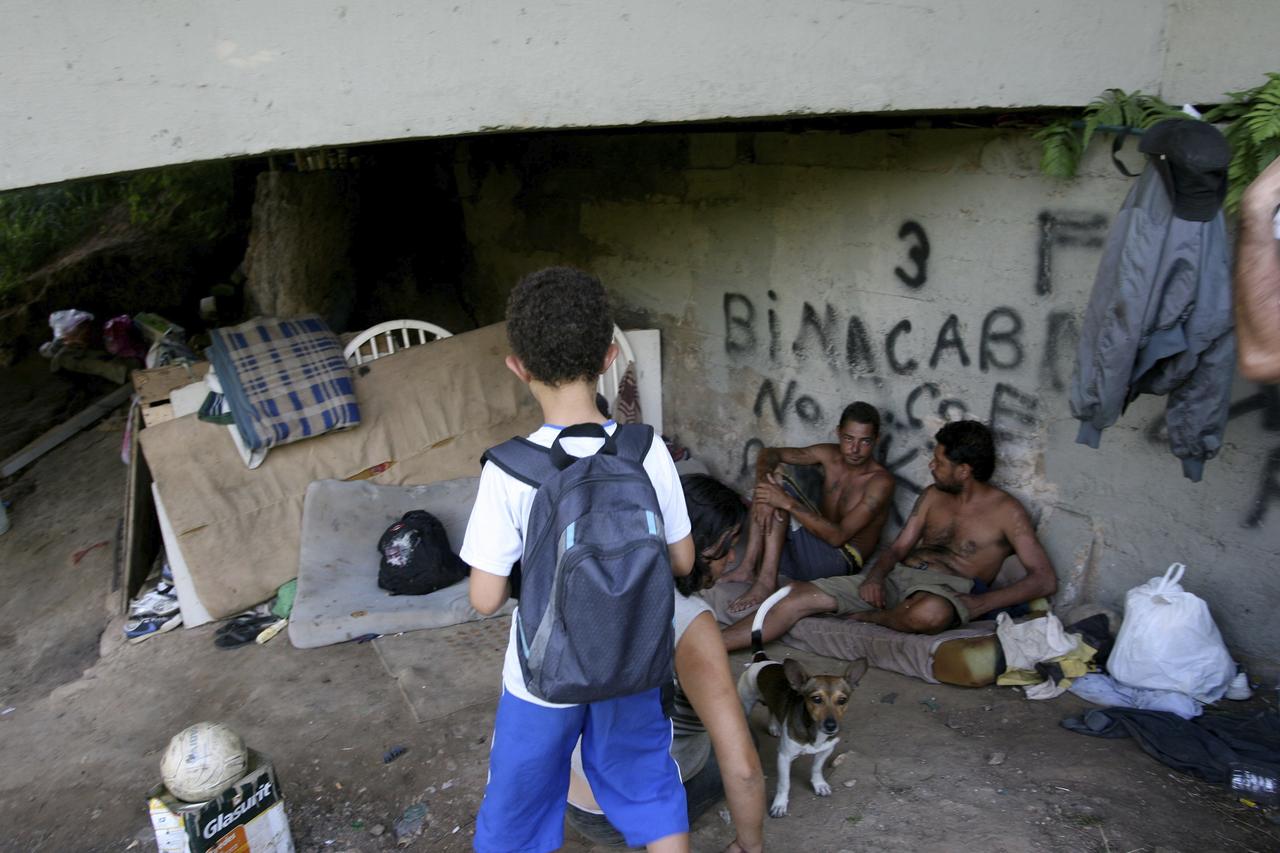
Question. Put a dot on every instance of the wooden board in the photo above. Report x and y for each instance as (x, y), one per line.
(141, 525)
(156, 414)
(51, 439)
(155, 386)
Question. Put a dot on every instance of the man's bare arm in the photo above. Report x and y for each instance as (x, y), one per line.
(879, 492)
(771, 457)
(1257, 279)
(682, 555)
(1041, 579)
(872, 589)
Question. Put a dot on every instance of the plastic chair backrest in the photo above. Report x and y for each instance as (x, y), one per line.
(389, 337)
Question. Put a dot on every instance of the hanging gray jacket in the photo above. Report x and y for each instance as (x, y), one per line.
(1159, 322)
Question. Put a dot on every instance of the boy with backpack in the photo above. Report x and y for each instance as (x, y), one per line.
(595, 515)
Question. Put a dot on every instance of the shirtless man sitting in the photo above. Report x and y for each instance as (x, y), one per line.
(939, 570)
(857, 492)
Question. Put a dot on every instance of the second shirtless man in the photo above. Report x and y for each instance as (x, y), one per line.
(939, 570)
(857, 493)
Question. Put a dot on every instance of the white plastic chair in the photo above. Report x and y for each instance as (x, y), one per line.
(389, 337)
(612, 378)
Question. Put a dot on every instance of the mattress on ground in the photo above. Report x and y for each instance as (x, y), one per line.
(338, 596)
(884, 648)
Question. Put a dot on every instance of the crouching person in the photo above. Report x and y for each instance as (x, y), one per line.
(712, 743)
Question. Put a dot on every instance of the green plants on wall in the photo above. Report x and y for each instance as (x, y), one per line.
(191, 202)
(1250, 119)
(1254, 133)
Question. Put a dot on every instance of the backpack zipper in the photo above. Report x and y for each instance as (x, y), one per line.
(592, 550)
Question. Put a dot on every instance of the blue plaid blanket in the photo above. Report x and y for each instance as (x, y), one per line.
(284, 380)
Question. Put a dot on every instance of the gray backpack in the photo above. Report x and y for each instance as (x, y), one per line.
(596, 592)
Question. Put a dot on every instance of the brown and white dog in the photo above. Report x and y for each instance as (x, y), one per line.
(804, 709)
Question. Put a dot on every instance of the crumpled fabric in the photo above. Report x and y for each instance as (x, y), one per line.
(1206, 747)
(1028, 643)
(626, 406)
(1041, 656)
(1104, 690)
(1159, 321)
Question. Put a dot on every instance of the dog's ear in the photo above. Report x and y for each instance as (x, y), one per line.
(856, 670)
(796, 675)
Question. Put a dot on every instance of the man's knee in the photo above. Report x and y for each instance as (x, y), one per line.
(805, 599)
(928, 614)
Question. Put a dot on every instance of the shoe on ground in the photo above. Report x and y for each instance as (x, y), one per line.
(161, 601)
(1238, 690)
(137, 630)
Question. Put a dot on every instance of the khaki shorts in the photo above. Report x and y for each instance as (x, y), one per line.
(901, 583)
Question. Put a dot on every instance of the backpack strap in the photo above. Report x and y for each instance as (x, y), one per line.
(634, 441)
(521, 458)
(532, 463)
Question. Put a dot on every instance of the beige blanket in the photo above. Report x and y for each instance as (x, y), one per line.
(428, 413)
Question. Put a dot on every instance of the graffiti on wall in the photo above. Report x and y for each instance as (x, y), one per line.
(812, 352)
(1065, 230)
(1264, 402)
(824, 346)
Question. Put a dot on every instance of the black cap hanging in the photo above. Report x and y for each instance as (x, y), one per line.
(1192, 157)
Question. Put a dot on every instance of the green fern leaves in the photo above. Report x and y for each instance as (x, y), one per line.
(1252, 119)
(1061, 149)
(1254, 134)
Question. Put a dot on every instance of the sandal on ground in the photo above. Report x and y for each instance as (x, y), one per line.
(241, 630)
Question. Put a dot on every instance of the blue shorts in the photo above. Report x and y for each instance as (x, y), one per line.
(805, 557)
(626, 755)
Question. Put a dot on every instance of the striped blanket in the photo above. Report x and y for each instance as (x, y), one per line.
(284, 380)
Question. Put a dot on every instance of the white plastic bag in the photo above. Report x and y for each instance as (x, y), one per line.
(1169, 642)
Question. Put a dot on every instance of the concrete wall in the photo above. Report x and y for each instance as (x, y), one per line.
(94, 88)
(934, 273)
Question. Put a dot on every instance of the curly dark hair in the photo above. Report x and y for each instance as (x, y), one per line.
(861, 413)
(969, 443)
(714, 510)
(559, 325)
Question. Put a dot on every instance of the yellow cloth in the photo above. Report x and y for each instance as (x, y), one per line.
(1075, 663)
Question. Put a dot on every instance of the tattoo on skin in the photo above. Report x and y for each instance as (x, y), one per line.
(1021, 525)
(915, 508)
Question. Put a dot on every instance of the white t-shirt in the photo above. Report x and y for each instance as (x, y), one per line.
(495, 532)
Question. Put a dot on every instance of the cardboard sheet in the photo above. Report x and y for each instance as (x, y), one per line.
(338, 596)
(428, 413)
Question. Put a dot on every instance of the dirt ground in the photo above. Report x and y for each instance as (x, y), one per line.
(84, 717)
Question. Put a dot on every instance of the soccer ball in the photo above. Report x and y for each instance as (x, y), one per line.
(202, 760)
